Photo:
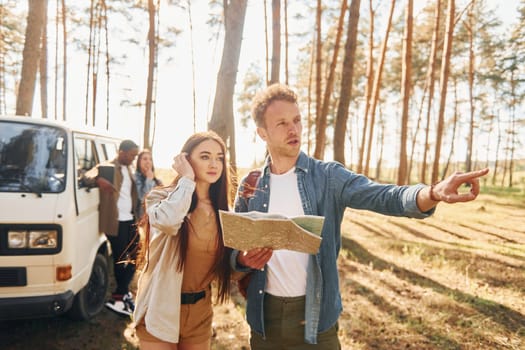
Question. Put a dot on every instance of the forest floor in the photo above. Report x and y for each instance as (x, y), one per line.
(452, 281)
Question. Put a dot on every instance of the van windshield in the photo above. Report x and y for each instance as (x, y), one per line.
(32, 158)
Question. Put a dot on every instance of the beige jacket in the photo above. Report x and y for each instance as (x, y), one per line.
(159, 284)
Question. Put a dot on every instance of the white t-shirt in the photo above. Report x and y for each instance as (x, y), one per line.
(124, 204)
(286, 274)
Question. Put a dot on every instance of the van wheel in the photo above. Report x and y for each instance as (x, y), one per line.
(90, 300)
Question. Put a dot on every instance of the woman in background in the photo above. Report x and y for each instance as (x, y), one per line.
(184, 250)
(145, 178)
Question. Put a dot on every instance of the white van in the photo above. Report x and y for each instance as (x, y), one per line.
(53, 259)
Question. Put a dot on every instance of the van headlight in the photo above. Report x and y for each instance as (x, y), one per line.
(32, 239)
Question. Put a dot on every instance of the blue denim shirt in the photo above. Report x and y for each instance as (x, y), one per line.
(326, 189)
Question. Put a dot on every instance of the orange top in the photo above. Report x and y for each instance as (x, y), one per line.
(202, 248)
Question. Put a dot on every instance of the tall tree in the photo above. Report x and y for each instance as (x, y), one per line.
(193, 85)
(309, 96)
(319, 128)
(64, 61)
(55, 81)
(104, 20)
(321, 140)
(286, 51)
(276, 41)
(43, 66)
(90, 56)
(454, 129)
(470, 26)
(98, 26)
(267, 57)
(369, 85)
(30, 56)
(152, 65)
(514, 66)
(376, 88)
(443, 82)
(222, 120)
(406, 83)
(431, 84)
(346, 80)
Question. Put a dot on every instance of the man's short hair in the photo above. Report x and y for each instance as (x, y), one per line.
(274, 92)
(127, 145)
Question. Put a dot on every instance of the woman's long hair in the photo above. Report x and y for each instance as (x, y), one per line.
(220, 198)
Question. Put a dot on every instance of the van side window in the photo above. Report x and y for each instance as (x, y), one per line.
(85, 157)
(110, 150)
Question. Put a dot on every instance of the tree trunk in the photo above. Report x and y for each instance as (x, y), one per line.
(512, 129)
(347, 79)
(222, 120)
(406, 86)
(310, 83)
(415, 136)
(339, 135)
(454, 128)
(443, 81)
(377, 85)
(380, 145)
(286, 70)
(506, 149)
(276, 41)
(104, 18)
(471, 66)
(43, 67)
(498, 146)
(431, 83)
(330, 83)
(193, 82)
(90, 54)
(319, 128)
(267, 58)
(152, 48)
(55, 80)
(368, 88)
(64, 61)
(30, 56)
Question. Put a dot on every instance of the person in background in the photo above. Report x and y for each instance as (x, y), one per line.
(293, 298)
(117, 214)
(184, 250)
(145, 178)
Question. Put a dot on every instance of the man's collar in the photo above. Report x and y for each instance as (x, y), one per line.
(301, 163)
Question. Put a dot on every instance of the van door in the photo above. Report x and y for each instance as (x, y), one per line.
(86, 198)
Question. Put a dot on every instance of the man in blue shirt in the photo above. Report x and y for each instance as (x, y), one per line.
(293, 298)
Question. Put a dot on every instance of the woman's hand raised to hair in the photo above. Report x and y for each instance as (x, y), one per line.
(182, 166)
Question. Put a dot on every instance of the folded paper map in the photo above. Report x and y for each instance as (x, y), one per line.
(245, 231)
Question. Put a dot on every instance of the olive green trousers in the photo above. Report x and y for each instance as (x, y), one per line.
(284, 327)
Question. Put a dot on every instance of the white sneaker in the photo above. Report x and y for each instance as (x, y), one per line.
(120, 307)
(128, 301)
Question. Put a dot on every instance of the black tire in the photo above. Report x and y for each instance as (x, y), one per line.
(89, 301)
